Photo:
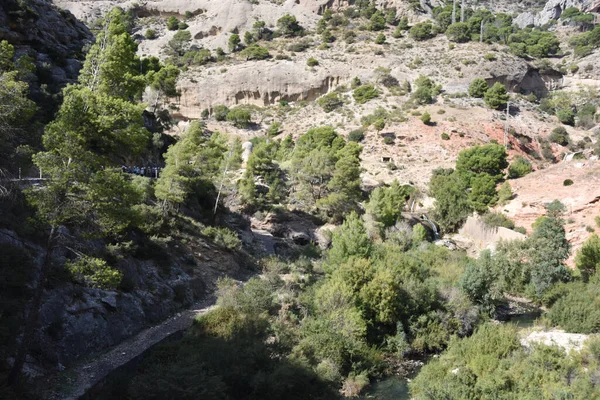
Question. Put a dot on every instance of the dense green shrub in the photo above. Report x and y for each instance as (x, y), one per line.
(364, 93)
(483, 192)
(459, 32)
(567, 182)
(274, 128)
(300, 45)
(255, 52)
(330, 102)
(451, 202)
(94, 272)
(240, 117)
(234, 42)
(426, 118)
(445, 136)
(380, 39)
(492, 362)
(150, 34)
(220, 112)
(377, 21)
(478, 88)
(496, 219)
(587, 259)
(489, 159)
(559, 135)
(312, 62)
(496, 97)
(288, 26)
(519, 168)
(172, 23)
(577, 311)
(356, 135)
(425, 91)
(223, 237)
(566, 117)
(422, 31)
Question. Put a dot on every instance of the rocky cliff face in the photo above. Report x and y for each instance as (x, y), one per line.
(77, 321)
(553, 10)
(53, 38)
(261, 83)
(32, 27)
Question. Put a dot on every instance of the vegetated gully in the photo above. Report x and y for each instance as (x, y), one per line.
(107, 375)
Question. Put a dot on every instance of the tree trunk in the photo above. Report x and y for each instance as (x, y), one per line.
(454, 12)
(34, 312)
(462, 11)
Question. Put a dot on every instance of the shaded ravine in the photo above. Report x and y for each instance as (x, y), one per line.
(89, 375)
(74, 382)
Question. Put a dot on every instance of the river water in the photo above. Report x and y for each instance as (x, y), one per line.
(391, 388)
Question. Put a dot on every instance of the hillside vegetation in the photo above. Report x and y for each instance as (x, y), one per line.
(311, 174)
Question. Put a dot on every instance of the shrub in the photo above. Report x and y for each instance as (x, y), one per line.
(312, 62)
(422, 31)
(150, 34)
(519, 167)
(182, 25)
(577, 311)
(388, 140)
(220, 112)
(380, 39)
(566, 117)
(483, 192)
(330, 102)
(255, 52)
(426, 118)
(587, 259)
(459, 32)
(234, 42)
(94, 272)
(327, 36)
(496, 97)
(364, 93)
(567, 182)
(497, 219)
(505, 193)
(223, 237)
(478, 88)
(490, 57)
(172, 23)
(288, 26)
(300, 45)
(559, 135)
(240, 117)
(274, 128)
(356, 135)
(377, 22)
(445, 136)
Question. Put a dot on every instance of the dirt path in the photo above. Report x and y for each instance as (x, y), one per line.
(74, 382)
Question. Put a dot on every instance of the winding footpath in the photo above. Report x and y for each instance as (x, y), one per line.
(76, 381)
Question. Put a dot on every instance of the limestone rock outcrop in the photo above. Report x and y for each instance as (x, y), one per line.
(553, 9)
(261, 83)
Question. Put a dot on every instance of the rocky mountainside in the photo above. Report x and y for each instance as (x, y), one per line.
(285, 95)
(31, 27)
(553, 10)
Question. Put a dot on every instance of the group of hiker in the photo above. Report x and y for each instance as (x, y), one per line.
(150, 172)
